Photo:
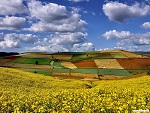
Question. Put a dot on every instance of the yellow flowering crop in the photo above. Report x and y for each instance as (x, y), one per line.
(23, 92)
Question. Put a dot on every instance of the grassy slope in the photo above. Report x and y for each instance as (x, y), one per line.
(23, 91)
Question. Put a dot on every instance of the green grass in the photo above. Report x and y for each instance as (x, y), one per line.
(19, 60)
(118, 55)
(39, 71)
(57, 64)
(120, 72)
(85, 70)
(61, 70)
(44, 61)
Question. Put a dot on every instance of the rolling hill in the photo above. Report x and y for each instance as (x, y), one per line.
(26, 92)
(80, 65)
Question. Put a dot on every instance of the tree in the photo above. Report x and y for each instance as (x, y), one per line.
(36, 62)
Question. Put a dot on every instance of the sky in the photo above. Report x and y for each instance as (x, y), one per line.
(74, 25)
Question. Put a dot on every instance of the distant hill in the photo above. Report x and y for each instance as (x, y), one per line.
(2, 54)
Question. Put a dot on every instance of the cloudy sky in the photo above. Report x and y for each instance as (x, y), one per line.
(74, 25)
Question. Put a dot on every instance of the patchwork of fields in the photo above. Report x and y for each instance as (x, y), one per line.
(115, 63)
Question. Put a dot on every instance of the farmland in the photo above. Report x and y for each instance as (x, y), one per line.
(107, 63)
(27, 92)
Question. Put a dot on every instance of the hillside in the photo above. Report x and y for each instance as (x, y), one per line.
(26, 92)
(80, 65)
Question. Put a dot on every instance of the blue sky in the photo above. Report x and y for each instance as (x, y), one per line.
(74, 25)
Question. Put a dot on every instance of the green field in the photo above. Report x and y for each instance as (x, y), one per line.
(19, 60)
(31, 60)
(118, 55)
(85, 70)
(119, 72)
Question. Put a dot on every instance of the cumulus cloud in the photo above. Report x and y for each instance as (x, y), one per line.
(11, 23)
(129, 41)
(83, 47)
(14, 40)
(115, 34)
(119, 12)
(79, 0)
(146, 25)
(64, 42)
(12, 7)
(52, 17)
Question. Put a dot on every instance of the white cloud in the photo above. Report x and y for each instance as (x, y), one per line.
(83, 47)
(129, 41)
(12, 7)
(146, 25)
(11, 23)
(64, 42)
(119, 12)
(79, 0)
(115, 34)
(14, 40)
(54, 18)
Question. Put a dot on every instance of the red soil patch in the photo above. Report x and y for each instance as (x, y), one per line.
(132, 63)
(12, 57)
(85, 64)
(143, 61)
(67, 77)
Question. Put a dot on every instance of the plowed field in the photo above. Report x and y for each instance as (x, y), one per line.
(130, 63)
(37, 56)
(143, 61)
(85, 64)
(62, 57)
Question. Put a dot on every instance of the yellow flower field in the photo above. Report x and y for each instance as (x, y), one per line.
(23, 92)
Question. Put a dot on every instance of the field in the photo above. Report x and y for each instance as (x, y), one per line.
(113, 62)
(85, 64)
(108, 63)
(26, 92)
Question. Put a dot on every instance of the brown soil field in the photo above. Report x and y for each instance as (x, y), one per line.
(130, 63)
(85, 64)
(37, 56)
(95, 76)
(108, 63)
(32, 66)
(62, 57)
(69, 65)
(2, 61)
(66, 77)
(8, 64)
(112, 77)
(110, 51)
(12, 57)
(143, 61)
